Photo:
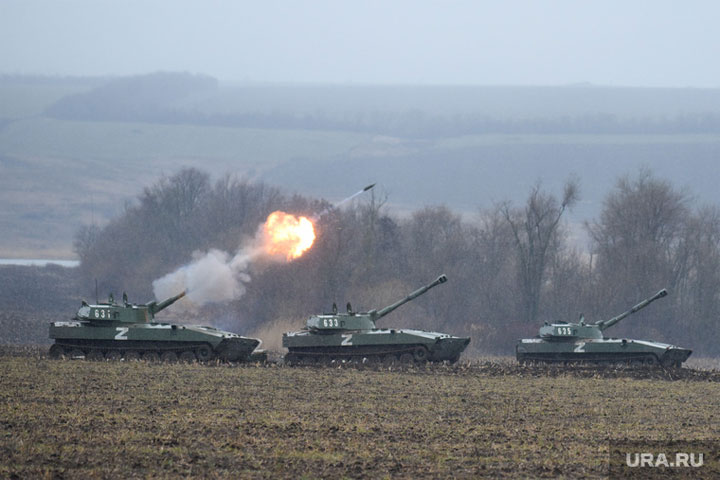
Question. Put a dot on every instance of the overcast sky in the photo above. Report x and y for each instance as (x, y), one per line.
(534, 42)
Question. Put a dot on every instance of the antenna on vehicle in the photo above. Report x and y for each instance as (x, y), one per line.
(97, 299)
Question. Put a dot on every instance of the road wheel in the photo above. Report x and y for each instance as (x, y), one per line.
(95, 356)
(291, 360)
(187, 357)
(56, 352)
(667, 362)
(169, 357)
(420, 354)
(372, 360)
(76, 353)
(308, 361)
(324, 360)
(151, 356)
(389, 360)
(113, 356)
(407, 359)
(650, 360)
(204, 353)
(132, 356)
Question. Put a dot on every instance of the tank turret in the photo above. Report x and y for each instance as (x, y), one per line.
(355, 337)
(586, 342)
(567, 331)
(363, 320)
(124, 312)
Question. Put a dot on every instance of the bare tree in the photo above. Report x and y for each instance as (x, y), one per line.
(370, 215)
(698, 293)
(175, 199)
(85, 240)
(534, 230)
(489, 282)
(646, 238)
(638, 236)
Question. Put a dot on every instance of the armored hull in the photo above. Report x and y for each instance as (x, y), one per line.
(378, 345)
(355, 337)
(127, 331)
(586, 342)
(604, 350)
(150, 341)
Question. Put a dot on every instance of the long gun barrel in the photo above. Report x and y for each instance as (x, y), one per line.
(603, 324)
(384, 311)
(155, 307)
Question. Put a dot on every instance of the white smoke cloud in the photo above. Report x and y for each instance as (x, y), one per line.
(216, 277)
(209, 277)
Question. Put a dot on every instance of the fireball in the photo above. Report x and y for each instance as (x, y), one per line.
(288, 235)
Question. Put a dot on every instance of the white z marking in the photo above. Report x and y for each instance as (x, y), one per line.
(122, 333)
(346, 340)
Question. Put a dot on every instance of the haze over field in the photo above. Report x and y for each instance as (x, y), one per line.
(74, 151)
(322, 97)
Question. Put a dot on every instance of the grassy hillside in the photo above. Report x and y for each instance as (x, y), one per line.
(26, 99)
(493, 101)
(58, 175)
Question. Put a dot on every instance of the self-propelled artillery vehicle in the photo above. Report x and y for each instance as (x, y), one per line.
(355, 337)
(129, 331)
(586, 342)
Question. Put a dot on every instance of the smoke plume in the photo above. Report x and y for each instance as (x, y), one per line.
(216, 276)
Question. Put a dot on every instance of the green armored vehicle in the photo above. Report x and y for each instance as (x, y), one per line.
(128, 331)
(586, 342)
(355, 337)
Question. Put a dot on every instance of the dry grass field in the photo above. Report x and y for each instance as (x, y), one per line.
(78, 419)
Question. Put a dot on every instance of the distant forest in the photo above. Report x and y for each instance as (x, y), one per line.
(159, 98)
(509, 270)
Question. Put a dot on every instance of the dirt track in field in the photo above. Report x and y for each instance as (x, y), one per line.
(77, 419)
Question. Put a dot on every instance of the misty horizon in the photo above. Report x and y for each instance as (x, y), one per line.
(247, 82)
(517, 43)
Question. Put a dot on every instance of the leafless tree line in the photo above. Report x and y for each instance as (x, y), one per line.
(511, 267)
